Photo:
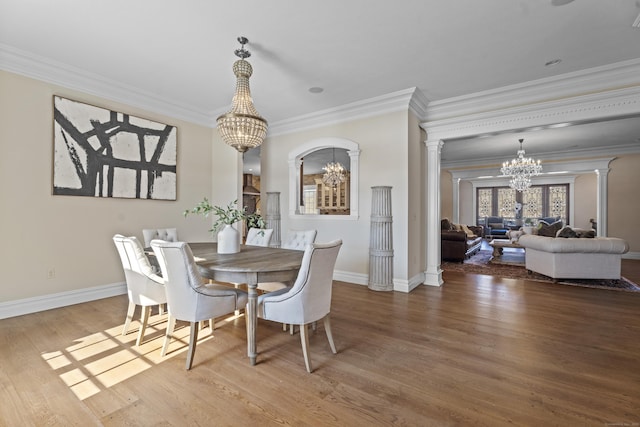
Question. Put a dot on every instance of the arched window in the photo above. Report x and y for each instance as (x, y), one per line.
(308, 195)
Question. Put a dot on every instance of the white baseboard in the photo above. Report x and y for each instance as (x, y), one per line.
(631, 255)
(347, 276)
(62, 299)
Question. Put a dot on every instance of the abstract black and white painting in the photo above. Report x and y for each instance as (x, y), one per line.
(103, 153)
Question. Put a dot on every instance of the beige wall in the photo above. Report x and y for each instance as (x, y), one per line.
(383, 161)
(624, 200)
(73, 234)
(446, 195)
(416, 177)
(585, 204)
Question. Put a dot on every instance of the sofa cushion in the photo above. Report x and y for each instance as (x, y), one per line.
(549, 230)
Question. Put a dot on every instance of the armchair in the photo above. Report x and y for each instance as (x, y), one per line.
(189, 299)
(309, 299)
(296, 240)
(495, 227)
(144, 287)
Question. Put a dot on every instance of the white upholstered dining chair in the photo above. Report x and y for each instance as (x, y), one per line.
(296, 240)
(309, 299)
(166, 234)
(299, 239)
(188, 298)
(144, 287)
(259, 236)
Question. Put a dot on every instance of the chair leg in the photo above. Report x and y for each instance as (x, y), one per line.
(212, 325)
(193, 338)
(171, 324)
(127, 321)
(161, 309)
(327, 329)
(284, 327)
(304, 339)
(144, 319)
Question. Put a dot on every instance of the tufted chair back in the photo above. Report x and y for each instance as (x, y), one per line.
(299, 240)
(166, 234)
(259, 237)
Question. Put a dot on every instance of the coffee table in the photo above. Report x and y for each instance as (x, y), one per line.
(498, 245)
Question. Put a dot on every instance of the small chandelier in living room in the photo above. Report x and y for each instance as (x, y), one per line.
(334, 172)
(521, 169)
(242, 127)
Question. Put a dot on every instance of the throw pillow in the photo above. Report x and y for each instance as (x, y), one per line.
(445, 224)
(566, 232)
(586, 234)
(468, 231)
(496, 225)
(549, 230)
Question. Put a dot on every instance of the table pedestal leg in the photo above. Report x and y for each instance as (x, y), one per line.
(251, 318)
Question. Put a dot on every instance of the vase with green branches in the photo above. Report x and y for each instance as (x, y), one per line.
(228, 237)
(228, 215)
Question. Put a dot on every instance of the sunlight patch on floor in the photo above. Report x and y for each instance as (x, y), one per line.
(101, 360)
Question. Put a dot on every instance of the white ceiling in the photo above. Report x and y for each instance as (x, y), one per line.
(181, 52)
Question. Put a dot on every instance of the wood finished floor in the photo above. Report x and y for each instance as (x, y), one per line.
(479, 351)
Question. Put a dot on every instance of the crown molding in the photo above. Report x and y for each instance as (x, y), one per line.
(44, 69)
(598, 106)
(604, 78)
(550, 170)
(37, 67)
(617, 150)
(396, 101)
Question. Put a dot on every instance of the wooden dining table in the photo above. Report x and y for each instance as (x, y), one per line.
(252, 265)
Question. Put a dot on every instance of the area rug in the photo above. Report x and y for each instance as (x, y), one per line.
(480, 264)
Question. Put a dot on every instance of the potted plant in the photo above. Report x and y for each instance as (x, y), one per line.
(228, 237)
(255, 220)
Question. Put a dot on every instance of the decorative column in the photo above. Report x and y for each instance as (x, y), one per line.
(272, 218)
(381, 241)
(602, 201)
(433, 274)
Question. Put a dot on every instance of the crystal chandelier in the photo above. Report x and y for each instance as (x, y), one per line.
(334, 172)
(242, 127)
(521, 169)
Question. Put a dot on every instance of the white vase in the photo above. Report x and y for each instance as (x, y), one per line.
(228, 240)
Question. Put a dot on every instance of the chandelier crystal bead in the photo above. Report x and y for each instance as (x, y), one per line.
(521, 169)
(242, 127)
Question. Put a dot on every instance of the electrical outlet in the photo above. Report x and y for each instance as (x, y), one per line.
(51, 274)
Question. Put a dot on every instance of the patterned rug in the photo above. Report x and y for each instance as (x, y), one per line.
(480, 264)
